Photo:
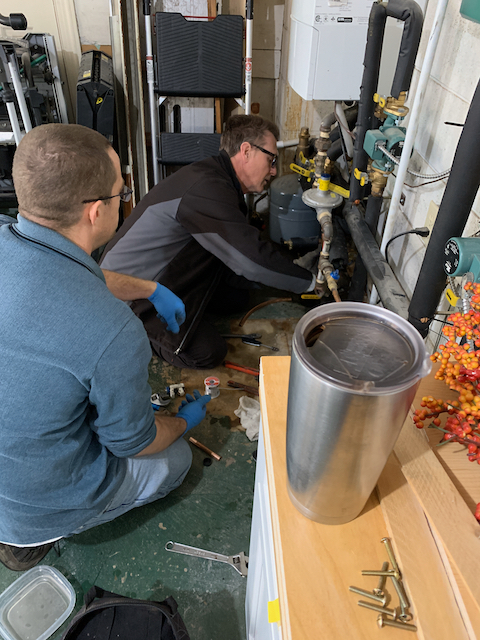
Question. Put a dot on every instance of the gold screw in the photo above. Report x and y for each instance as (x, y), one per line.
(391, 555)
(378, 591)
(368, 594)
(373, 607)
(391, 623)
(388, 573)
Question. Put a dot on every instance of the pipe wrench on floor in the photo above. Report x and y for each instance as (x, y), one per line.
(239, 561)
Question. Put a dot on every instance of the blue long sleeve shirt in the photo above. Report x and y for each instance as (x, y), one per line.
(74, 393)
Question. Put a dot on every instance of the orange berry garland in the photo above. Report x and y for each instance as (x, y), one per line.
(460, 370)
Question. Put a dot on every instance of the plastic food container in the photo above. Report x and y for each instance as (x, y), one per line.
(35, 605)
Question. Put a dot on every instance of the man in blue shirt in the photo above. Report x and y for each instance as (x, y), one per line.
(79, 441)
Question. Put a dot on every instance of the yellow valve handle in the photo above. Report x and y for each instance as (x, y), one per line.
(340, 190)
(307, 173)
(360, 176)
(305, 160)
(310, 296)
(451, 297)
(378, 98)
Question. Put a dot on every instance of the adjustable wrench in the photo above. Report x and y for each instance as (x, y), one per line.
(239, 562)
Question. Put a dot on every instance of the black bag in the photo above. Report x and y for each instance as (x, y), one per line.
(106, 615)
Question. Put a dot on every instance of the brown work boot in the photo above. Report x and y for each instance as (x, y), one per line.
(22, 558)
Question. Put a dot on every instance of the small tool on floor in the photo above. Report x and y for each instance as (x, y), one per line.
(239, 561)
(257, 343)
(249, 336)
(238, 367)
(201, 446)
(158, 401)
(242, 387)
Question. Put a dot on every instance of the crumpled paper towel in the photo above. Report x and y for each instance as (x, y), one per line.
(249, 413)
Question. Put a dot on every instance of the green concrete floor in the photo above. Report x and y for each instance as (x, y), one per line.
(211, 510)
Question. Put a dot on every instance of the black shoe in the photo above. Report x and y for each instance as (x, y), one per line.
(23, 558)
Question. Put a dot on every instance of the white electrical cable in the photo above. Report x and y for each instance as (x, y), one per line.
(413, 122)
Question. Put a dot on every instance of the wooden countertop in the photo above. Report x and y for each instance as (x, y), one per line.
(317, 563)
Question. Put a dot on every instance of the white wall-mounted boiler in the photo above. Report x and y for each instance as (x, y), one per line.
(327, 47)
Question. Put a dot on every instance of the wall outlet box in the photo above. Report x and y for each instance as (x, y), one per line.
(430, 219)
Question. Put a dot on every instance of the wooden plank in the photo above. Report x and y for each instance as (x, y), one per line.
(445, 508)
(316, 563)
(422, 568)
(464, 474)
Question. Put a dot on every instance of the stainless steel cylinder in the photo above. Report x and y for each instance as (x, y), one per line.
(354, 372)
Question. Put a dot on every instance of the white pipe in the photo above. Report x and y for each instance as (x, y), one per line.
(413, 122)
(17, 85)
(12, 114)
(344, 128)
(151, 95)
(412, 129)
(281, 144)
(248, 66)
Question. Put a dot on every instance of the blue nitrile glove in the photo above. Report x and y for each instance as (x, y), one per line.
(193, 409)
(170, 309)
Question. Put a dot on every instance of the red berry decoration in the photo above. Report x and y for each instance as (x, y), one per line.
(460, 370)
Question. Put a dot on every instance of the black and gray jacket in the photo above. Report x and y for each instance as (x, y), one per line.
(189, 228)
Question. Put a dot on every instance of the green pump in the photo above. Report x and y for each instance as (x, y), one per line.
(462, 255)
(390, 135)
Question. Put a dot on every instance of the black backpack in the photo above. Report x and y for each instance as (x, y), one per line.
(106, 615)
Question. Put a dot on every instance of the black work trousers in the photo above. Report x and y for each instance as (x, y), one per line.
(204, 348)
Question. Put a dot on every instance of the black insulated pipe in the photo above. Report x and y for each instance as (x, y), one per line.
(411, 15)
(452, 216)
(391, 294)
(366, 105)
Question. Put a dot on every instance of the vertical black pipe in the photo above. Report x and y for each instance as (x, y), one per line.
(452, 216)
(366, 105)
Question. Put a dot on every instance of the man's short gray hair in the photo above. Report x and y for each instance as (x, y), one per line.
(239, 129)
(56, 167)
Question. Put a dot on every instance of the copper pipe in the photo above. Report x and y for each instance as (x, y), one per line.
(259, 306)
(204, 448)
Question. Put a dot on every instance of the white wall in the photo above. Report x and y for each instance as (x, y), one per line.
(453, 79)
(93, 21)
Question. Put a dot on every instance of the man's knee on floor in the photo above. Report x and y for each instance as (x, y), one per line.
(199, 355)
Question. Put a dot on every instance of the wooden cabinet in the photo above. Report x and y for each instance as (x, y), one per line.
(309, 567)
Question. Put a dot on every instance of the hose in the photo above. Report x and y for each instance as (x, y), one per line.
(392, 158)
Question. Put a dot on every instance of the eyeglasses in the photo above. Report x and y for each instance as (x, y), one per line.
(269, 153)
(124, 196)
